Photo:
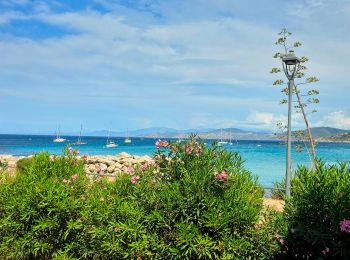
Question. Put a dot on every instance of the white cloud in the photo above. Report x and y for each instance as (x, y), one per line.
(336, 119)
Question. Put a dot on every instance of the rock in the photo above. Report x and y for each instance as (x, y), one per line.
(111, 168)
(118, 165)
(108, 162)
(103, 167)
(91, 168)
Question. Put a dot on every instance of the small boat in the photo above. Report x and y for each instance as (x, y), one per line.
(222, 142)
(127, 140)
(110, 143)
(230, 142)
(58, 139)
(80, 142)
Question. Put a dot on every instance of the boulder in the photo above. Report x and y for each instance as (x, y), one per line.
(111, 168)
(91, 168)
(103, 167)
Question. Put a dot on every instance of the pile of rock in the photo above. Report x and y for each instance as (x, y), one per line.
(113, 165)
(104, 165)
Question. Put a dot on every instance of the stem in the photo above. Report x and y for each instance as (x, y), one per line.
(307, 126)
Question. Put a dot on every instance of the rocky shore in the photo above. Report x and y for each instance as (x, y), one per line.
(99, 164)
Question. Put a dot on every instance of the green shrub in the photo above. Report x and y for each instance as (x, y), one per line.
(40, 210)
(320, 202)
(193, 202)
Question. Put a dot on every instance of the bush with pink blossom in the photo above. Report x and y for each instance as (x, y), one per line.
(318, 213)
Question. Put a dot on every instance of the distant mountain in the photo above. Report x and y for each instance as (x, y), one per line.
(324, 132)
(225, 134)
(149, 132)
(320, 133)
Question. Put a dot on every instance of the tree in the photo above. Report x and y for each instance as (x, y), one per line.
(299, 89)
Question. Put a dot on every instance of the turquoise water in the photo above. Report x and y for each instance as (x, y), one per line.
(263, 158)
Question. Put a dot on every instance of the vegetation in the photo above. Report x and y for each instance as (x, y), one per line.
(299, 89)
(194, 202)
(318, 213)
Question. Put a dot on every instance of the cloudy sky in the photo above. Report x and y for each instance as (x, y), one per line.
(177, 63)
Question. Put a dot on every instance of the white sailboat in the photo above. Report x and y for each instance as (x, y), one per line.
(127, 139)
(110, 143)
(230, 142)
(80, 142)
(222, 142)
(58, 139)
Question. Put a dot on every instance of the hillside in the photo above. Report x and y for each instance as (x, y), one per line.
(326, 132)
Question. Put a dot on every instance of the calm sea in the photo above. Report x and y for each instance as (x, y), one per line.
(263, 158)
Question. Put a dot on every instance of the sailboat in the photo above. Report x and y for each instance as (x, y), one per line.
(230, 142)
(222, 142)
(127, 140)
(80, 142)
(58, 139)
(110, 143)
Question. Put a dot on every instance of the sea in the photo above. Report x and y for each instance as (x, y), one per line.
(265, 159)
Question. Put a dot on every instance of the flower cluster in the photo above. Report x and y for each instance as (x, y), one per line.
(131, 170)
(193, 147)
(326, 251)
(345, 226)
(134, 179)
(73, 151)
(161, 143)
(280, 240)
(74, 177)
(146, 165)
(222, 176)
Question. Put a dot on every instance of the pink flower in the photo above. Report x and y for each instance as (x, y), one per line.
(281, 241)
(345, 225)
(74, 177)
(76, 152)
(188, 149)
(143, 167)
(221, 176)
(134, 179)
(70, 149)
(158, 143)
(161, 143)
(326, 250)
(131, 170)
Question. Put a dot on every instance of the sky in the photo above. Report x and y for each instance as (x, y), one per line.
(184, 64)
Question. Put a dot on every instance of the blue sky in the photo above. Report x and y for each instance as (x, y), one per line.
(180, 64)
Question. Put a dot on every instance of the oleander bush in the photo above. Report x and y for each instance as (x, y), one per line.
(194, 202)
(318, 213)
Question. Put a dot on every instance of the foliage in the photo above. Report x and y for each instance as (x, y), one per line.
(38, 211)
(318, 212)
(194, 202)
(305, 96)
(24, 164)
